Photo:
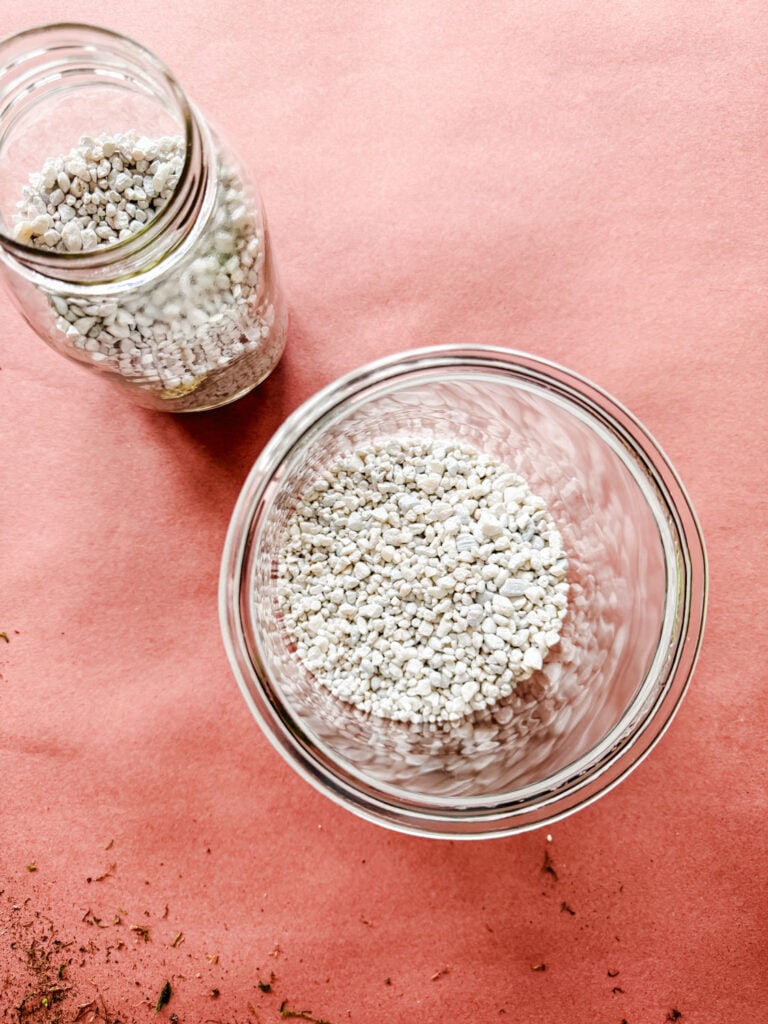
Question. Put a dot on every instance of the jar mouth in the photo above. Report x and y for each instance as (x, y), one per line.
(50, 60)
(604, 763)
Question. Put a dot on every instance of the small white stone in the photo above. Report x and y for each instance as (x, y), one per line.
(71, 237)
(429, 482)
(475, 615)
(502, 606)
(490, 527)
(76, 167)
(514, 588)
(23, 232)
(532, 659)
(493, 642)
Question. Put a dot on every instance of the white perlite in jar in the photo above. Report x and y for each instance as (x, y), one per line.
(422, 581)
(193, 336)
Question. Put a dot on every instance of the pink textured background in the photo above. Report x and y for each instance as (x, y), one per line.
(584, 181)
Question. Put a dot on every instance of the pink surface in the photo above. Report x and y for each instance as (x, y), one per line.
(583, 181)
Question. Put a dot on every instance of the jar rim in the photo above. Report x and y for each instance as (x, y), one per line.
(54, 36)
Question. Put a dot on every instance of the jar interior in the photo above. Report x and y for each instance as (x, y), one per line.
(610, 663)
(64, 84)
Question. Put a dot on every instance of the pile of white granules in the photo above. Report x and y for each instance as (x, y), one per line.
(201, 324)
(421, 581)
(104, 190)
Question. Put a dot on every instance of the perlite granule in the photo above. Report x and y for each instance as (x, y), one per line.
(421, 581)
(201, 328)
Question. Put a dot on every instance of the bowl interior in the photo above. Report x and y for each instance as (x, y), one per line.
(597, 685)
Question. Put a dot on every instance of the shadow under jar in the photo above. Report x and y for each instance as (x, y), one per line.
(629, 641)
(131, 238)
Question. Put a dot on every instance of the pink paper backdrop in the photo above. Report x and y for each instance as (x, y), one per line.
(583, 181)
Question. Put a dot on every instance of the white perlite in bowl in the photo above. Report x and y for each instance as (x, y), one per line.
(421, 581)
(190, 338)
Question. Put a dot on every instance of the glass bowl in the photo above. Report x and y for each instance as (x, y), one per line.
(629, 642)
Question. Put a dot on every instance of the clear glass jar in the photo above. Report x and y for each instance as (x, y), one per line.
(162, 279)
(637, 573)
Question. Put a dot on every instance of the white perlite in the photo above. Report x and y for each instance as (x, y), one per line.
(104, 190)
(200, 330)
(421, 581)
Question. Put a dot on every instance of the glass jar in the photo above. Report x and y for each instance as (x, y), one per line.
(637, 575)
(130, 236)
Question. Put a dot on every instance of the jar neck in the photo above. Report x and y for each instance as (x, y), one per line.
(43, 67)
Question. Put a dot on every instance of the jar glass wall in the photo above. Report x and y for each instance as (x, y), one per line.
(131, 237)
